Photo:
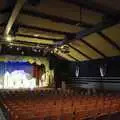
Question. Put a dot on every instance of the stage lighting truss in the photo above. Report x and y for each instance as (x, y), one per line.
(65, 49)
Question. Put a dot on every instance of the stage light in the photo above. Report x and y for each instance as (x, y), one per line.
(35, 50)
(52, 51)
(18, 48)
(56, 50)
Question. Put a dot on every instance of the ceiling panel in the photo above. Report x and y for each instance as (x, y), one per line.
(114, 4)
(99, 43)
(113, 33)
(91, 17)
(85, 49)
(66, 10)
(57, 8)
(77, 55)
(39, 33)
(44, 23)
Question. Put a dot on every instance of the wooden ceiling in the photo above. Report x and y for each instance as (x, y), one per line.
(90, 29)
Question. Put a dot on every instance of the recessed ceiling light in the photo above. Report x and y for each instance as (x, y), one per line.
(36, 35)
(8, 38)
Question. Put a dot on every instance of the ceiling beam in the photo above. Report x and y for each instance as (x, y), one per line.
(109, 40)
(34, 40)
(31, 36)
(14, 15)
(93, 6)
(93, 48)
(57, 19)
(73, 57)
(86, 56)
(31, 44)
(45, 29)
(97, 28)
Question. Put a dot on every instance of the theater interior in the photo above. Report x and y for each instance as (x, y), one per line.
(59, 60)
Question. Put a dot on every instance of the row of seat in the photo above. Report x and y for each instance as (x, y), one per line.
(44, 105)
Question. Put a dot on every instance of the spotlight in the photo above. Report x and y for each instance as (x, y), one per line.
(52, 51)
(35, 50)
(18, 48)
(56, 50)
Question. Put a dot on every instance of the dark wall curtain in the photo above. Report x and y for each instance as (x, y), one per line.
(62, 72)
(34, 70)
(38, 71)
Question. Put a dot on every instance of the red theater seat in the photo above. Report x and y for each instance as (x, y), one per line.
(25, 105)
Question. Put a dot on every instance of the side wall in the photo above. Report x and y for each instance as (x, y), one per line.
(89, 73)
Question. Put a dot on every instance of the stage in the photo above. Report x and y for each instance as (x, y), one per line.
(25, 73)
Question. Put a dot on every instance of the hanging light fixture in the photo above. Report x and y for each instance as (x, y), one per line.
(35, 50)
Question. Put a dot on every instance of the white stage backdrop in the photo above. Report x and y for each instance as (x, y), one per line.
(19, 73)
